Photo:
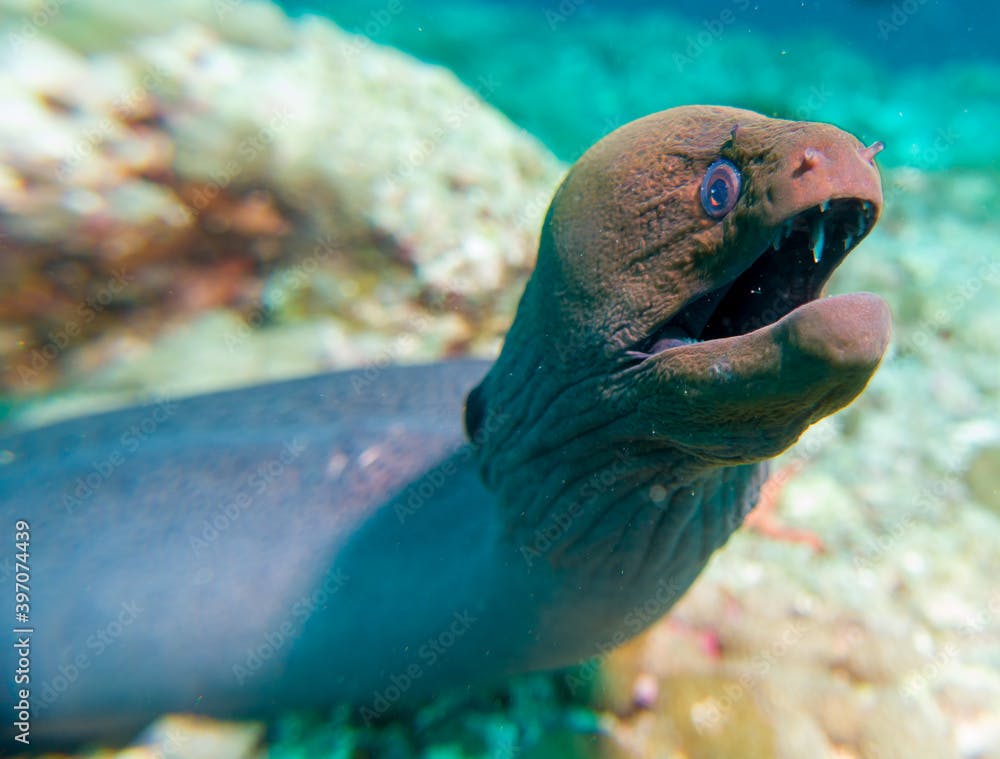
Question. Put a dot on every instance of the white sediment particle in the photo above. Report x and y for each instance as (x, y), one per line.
(369, 456)
(336, 465)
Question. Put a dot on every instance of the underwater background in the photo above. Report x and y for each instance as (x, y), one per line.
(210, 193)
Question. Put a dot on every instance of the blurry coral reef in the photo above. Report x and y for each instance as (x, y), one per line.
(158, 163)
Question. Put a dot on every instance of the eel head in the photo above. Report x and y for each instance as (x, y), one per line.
(736, 351)
(675, 319)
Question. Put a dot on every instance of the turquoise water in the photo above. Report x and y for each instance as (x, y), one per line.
(922, 77)
(202, 195)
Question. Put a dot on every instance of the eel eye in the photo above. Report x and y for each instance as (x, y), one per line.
(720, 189)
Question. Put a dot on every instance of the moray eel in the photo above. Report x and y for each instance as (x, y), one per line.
(375, 536)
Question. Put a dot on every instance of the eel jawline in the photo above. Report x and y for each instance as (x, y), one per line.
(765, 387)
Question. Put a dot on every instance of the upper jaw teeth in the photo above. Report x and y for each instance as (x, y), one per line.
(784, 231)
(816, 237)
(817, 230)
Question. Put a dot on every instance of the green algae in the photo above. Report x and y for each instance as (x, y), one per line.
(698, 717)
(983, 478)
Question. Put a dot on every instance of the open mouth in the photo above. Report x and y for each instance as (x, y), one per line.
(802, 254)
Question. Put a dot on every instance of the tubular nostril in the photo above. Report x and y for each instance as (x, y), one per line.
(810, 158)
(871, 151)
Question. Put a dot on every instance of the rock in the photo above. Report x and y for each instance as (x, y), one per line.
(983, 478)
(699, 717)
(185, 167)
(188, 737)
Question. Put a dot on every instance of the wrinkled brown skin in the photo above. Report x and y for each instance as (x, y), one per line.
(625, 245)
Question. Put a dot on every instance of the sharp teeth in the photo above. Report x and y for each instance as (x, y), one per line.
(823, 206)
(816, 235)
(782, 233)
(848, 241)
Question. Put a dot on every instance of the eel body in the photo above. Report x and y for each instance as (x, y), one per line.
(379, 535)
